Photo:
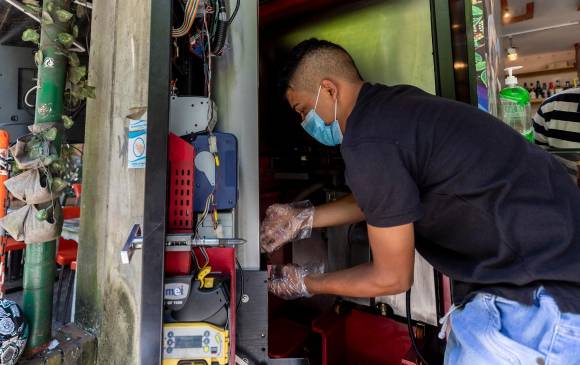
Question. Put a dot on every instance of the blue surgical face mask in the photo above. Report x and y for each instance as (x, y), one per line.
(327, 134)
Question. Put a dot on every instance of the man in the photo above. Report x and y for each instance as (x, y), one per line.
(493, 212)
(557, 125)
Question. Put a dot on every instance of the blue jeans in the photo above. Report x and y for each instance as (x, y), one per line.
(490, 330)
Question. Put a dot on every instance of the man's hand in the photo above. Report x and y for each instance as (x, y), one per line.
(284, 223)
(287, 282)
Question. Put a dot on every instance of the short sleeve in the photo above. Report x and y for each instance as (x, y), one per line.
(381, 184)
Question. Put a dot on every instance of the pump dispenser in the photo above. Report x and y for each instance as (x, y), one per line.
(515, 108)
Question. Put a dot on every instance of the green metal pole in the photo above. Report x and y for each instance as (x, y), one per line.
(39, 266)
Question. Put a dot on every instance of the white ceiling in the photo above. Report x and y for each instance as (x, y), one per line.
(546, 13)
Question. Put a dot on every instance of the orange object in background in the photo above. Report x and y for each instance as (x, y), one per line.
(4, 144)
(77, 188)
(5, 246)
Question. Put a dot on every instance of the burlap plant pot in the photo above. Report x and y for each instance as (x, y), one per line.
(32, 187)
(37, 231)
(22, 224)
(29, 155)
(13, 223)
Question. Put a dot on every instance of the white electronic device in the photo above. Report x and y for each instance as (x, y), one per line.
(191, 114)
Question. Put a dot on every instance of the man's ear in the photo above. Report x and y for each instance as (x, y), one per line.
(330, 87)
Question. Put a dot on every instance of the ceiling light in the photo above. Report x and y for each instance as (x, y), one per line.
(512, 52)
(507, 14)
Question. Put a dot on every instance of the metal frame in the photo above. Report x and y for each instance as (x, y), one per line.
(444, 85)
(155, 186)
(442, 49)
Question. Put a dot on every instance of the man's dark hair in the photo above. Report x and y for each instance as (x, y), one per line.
(313, 60)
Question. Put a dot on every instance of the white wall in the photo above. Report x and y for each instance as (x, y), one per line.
(543, 61)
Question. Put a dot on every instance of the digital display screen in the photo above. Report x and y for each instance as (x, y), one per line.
(185, 342)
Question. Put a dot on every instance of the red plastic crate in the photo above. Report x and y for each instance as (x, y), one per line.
(181, 172)
(180, 207)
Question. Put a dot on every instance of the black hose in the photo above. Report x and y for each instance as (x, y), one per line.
(410, 327)
(231, 19)
(221, 28)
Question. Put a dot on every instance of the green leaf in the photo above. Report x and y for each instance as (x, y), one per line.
(67, 121)
(31, 35)
(46, 18)
(77, 73)
(42, 214)
(63, 16)
(50, 6)
(58, 184)
(57, 166)
(89, 92)
(75, 31)
(15, 170)
(50, 134)
(32, 9)
(48, 160)
(76, 92)
(38, 57)
(73, 59)
(65, 39)
(72, 100)
(31, 2)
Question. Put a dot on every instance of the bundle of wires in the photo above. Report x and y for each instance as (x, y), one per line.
(189, 19)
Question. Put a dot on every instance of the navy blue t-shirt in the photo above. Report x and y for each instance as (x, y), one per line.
(491, 210)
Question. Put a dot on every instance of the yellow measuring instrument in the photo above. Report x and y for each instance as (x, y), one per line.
(195, 343)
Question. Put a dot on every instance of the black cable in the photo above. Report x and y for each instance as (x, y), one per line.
(410, 327)
(234, 13)
(241, 285)
(221, 28)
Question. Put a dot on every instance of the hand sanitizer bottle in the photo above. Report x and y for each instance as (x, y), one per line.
(514, 106)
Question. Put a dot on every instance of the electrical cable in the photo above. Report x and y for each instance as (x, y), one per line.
(179, 32)
(234, 13)
(410, 327)
(189, 19)
(221, 28)
(28, 94)
(205, 256)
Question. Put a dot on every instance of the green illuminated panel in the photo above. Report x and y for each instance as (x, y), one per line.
(389, 40)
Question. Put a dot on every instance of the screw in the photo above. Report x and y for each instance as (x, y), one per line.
(245, 298)
(263, 335)
(383, 308)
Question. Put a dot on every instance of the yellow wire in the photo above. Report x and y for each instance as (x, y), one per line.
(189, 18)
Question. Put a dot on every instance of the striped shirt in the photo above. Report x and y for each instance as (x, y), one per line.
(557, 125)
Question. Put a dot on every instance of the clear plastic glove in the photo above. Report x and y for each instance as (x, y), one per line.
(284, 223)
(287, 282)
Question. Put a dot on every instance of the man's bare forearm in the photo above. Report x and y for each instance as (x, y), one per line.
(339, 212)
(361, 281)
